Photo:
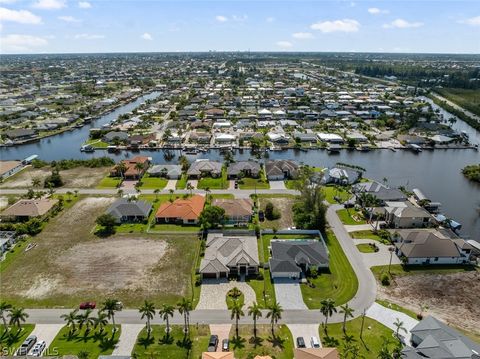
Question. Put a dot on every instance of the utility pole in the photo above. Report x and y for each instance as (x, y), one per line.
(363, 320)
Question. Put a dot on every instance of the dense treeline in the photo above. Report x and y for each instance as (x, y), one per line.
(472, 172)
(460, 114)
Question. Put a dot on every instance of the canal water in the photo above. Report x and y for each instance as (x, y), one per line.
(437, 173)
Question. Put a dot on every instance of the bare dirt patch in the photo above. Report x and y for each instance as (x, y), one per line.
(450, 297)
(284, 206)
(80, 177)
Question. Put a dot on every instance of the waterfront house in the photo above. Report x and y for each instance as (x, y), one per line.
(135, 168)
(113, 136)
(342, 175)
(237, 211)
(278, 170)
(294, 258)
(381, 192)
(20, 134)
(229, 255)
(167, 171)
(406, 215)
(9, 168)
(203, 167)
(244, 169)
(181, 211)
(431, 246)
(26, 209)
(127, 211)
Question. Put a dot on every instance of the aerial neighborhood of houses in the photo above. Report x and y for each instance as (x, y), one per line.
(190, 221)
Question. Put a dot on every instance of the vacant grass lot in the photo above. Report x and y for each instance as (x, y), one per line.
(70, 264)
(109, 182)
(9, 342)
(351, 216)
(468, 99)
(177, 345)
(374, 335)
(339, 283)
(279, 346)
(93, 342)
(284, 206)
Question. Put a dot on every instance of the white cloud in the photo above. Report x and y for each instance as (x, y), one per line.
(7, 1)
(89, 37)
(302, 35)
(49, 4)
(345, 25)
(473, 21)
(69, 19)
(84, 5)
(146, 36)
(239, 18)
(377, 11)
(402, 24)
(284, 44)
(20, 16)
(270, 19)
(221, 18)
(22, 43)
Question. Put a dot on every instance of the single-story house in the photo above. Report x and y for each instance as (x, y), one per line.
(115, 135)
(25, 209)
(20, 134)
(380, 191)
(9, 168)
(432, 338)
(237, 211)
(278, 170)
(244, 168)
(406, 215)
(202, 168)
(218, 355)
(342, 175)
(131, 171)
(316, 353)
(431, 246)
(183, 211)
(126, 211)
(229, 255)
(292, 258)
(168, 171)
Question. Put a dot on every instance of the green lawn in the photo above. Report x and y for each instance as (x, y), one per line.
(109, 182)
(214, 183)
(261, 286)
(14, 252)
(230, 301)
(182, 182)
(336, 191)
(366, 248)
(351, 216)
(94, 343)
(165, 227)
(10, 342)
(96, 143)
(374, 335)
(468, 99)
(339, 283)
(368, 235)
(401, 270)
(279, 346)
(153, 182)
(252, 183)
(176, 346)
(398, 308)
(291, 183)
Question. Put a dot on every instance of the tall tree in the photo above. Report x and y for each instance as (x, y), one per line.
(110, 307)
(399, 325)
(100, 321)
(275, 314)
(255, 312)
(347, 312)
(327, 308)
(71, 319)
(165, 312)
(184, 308)
(236, 313)
(5, 309)
(147, 310)
(17, 316)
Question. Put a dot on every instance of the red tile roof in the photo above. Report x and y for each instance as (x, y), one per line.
(186, 209)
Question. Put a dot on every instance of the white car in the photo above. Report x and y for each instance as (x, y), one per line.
(38, 348)
(314, 342)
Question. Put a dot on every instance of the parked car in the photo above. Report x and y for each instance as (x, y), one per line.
(38, 348)
(236, 185)
(261, 216)
(301, 342)
(314, 342)
(27, 345)
(225, 345)
(88, 305)
(212, 343)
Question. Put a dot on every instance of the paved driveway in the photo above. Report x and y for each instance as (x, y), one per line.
(171, 184)
(128, 338)
(223, 332)
(214, 291)
(288, 293)
(380, 258)
(306, 331)
(277, 185)
(46, 332)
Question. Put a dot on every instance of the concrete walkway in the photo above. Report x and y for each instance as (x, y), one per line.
(128, 338)
(288, 294)
(388, 316)
(170, 185)
(306, 331)
(380, 258)
(46, 332)
(359, 227)
(214, 291)
(223, 332)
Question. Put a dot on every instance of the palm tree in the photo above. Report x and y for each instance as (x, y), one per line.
(36, 182)
(148, 311)
(171, 194)
(165, 312)
(274, 313)
(156, 191)
(121, 168)
(110, 306)
(100, 321)
(5, 308)
(184, 307)
(347, 312)
(255, 313)
(71, 319)
(85, 319)
(207, 192)
(139, 167)
(17, 316)
(327, 309)
(236, 313)
(190, 188)
(76, 192)
(82, 354)
(399, 325)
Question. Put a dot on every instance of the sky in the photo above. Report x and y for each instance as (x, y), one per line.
(64, 26)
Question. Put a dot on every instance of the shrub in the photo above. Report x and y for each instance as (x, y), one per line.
(385, 279)
(271, 213)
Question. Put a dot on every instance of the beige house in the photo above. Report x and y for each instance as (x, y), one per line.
(25, 209)
(316, 353)
(237, 211)
(406, 215)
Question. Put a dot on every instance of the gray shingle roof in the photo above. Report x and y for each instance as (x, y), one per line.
(125, 208)
(290, 254)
